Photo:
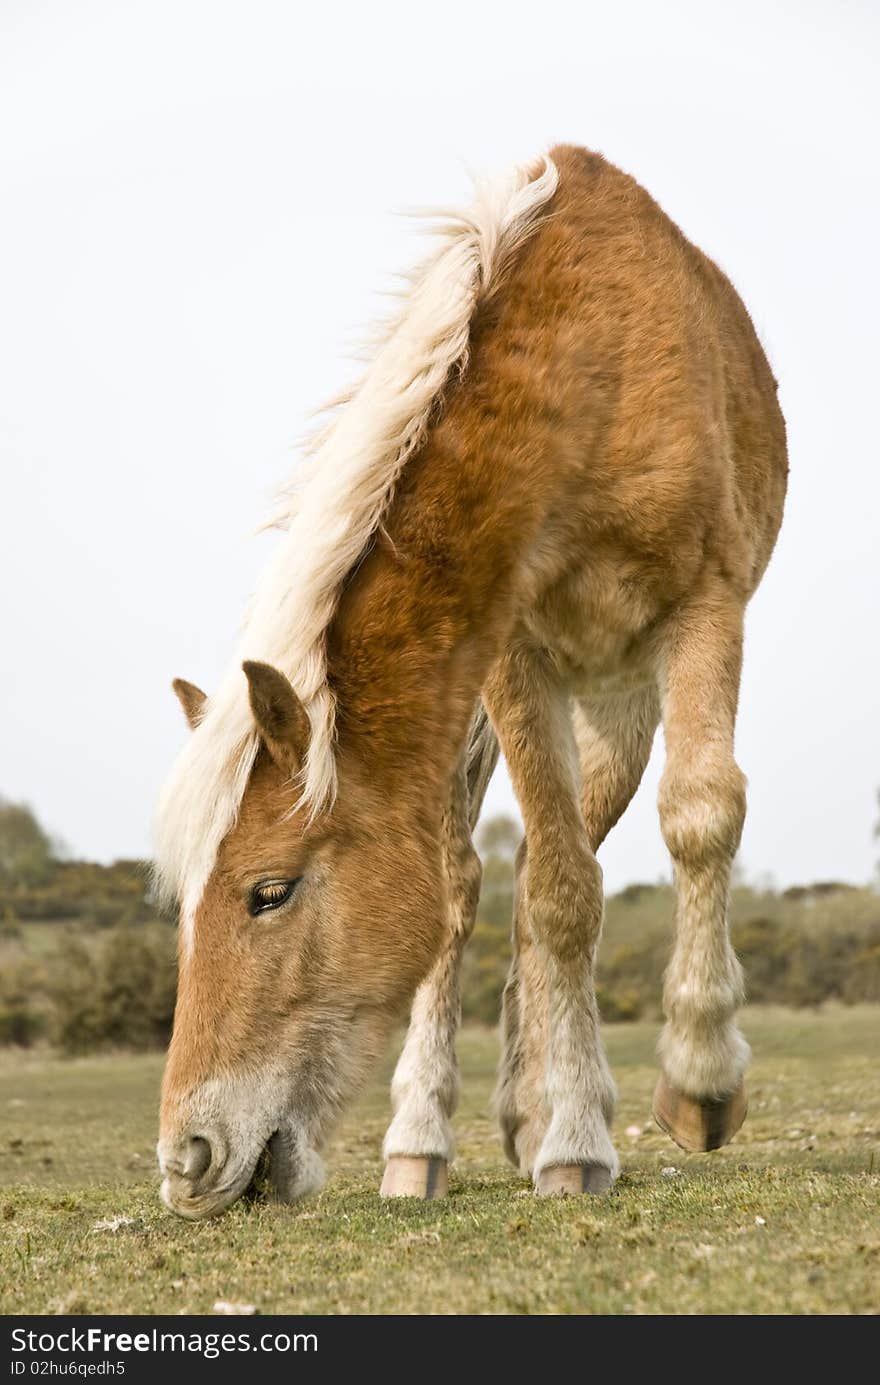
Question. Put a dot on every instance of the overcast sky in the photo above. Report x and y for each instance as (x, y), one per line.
(197, 217)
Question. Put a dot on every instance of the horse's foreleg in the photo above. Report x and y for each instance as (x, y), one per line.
(419, 1142)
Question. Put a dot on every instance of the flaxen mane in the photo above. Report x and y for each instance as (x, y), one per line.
(328, 521)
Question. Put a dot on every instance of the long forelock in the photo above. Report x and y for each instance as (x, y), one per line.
(328, 516)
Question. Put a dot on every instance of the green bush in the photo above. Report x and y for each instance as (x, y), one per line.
(21, 1020)
(120, 994)
(10, 925)
(484, 971)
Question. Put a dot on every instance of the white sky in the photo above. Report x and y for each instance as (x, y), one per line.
(195, 220)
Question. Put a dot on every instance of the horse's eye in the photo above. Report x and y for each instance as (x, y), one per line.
(271, 895)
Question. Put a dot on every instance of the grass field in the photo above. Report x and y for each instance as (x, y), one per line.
(785, 1220)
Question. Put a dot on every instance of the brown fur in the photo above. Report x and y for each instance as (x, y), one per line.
(582, 527)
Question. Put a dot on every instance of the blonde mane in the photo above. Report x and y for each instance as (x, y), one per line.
(329, 517)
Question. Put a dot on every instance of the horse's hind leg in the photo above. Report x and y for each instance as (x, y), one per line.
(424, 1090)
(614, 737)
(700, 1099)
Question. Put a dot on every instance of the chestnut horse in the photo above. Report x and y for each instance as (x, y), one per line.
(536, 522)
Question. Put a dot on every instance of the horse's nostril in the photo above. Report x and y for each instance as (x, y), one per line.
(193, 1159)
(197, 1158)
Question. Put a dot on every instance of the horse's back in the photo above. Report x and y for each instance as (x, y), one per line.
(659, 425)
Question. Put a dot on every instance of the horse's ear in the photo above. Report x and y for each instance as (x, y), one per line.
(281, 718)
(191, 699)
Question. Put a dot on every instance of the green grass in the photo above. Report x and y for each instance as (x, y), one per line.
(786, 1220)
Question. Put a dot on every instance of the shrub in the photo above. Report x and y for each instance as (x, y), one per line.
(21, 1021)
(120, 994)
(10, 925)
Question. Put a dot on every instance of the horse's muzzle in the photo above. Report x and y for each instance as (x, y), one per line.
(199, 1177)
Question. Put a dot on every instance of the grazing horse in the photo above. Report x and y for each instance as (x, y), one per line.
(535, 522)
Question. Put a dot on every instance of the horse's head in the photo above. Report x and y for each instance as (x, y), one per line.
(302, 949)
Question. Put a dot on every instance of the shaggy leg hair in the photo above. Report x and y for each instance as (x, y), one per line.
(702, 809)
(560, 904)
(424, 1089)
(614, 736)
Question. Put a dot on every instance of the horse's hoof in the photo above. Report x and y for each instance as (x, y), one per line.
(564, 1180)
(698, 1126)
(415, 1176)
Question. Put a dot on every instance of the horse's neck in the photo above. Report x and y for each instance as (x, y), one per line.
(427, 612)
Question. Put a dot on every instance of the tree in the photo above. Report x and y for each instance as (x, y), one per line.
(499, 836)
(26, 851)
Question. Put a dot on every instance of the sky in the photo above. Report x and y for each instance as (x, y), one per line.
(200, 215)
